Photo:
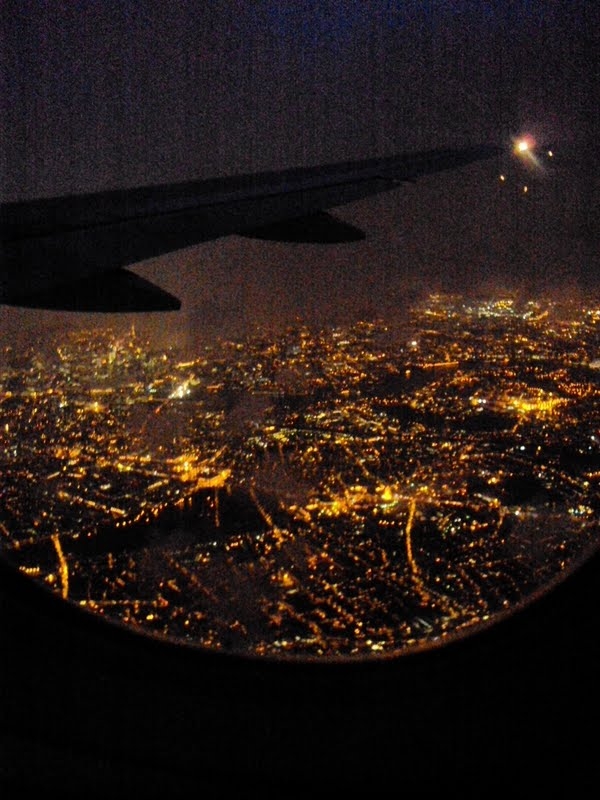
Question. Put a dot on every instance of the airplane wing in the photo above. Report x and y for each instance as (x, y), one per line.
(70, 252)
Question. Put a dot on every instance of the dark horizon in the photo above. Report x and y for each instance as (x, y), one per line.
(101, 97)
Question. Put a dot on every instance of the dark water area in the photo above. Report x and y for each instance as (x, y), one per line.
(195, 523)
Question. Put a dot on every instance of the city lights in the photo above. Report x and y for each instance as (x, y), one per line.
(418, 479)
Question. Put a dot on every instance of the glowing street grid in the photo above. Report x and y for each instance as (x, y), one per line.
(354, 491)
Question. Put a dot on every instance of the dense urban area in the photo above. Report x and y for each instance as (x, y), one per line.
(342, 492)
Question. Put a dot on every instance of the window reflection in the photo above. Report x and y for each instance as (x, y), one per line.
(342, 491)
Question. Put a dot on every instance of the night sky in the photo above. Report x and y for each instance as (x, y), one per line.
(99, 95)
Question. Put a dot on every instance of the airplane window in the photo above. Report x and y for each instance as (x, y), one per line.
(354, 488)
(339, 447)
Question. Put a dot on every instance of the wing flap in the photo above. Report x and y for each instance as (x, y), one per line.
(117, 290)
(319, 228)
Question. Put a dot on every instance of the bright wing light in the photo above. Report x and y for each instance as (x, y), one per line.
(524, 145)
